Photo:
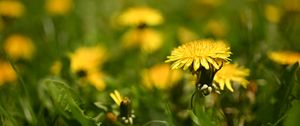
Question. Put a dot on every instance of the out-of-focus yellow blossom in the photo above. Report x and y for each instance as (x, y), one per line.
(85, 63)
(147, 39)
(7, 73)
(210, 3)
(11, 8)
(140, 15)
(58, 7)
(160, 76)
(291, 5)
(186, 35)
(56, 68)
(201, 53)
(230, 73)
(1, 25)
(217, 28)
(96, 78)
(19, 47)
(87, 58)
(284, 57)
(272, 13)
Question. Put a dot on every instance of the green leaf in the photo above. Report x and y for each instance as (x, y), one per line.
(57, 95)
(293, 116)
(284, 92)
(203, 119)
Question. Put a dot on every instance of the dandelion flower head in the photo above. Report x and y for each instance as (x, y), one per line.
(231, 73)
(160, 76)
(200, 53)
(11, 8)
(147, 39)
(284, 57)
(87, 58)
(272, 13)
(141, 15)
(58, 7)
(7, 73)
(19, 47)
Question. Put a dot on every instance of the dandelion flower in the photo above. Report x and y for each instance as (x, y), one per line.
(85, 63)
(147, 39)
(141, 16)
(291, 5)
(7, 73)
(126, 113)
(272, 13)
(160, 76)
(87, 58)
(11, 8)
(96, 78)
(231, 73)
(19, 47)
(58, 7)
(201, 53)
(285, 57)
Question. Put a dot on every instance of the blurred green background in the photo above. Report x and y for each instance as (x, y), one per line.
(61, 59)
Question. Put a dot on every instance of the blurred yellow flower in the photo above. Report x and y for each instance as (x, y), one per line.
(96, 78)
(284, 57)
(11, 8)
(87, 58)
(272, 13)
(217, 28)
(1, 25)
(160, 76)
(147, 39)
(19, 47)
(201, 53)
(185, 35)
(291, 5)
(56, 68)
(58, 7)
(141, 16)
(231, 73)
(7, 73)
(210, 3)
(85, 63)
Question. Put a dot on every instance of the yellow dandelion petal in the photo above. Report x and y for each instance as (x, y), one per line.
(285, 57)
(222, 85)
(202, 53)
(204, 63)
(228, 85)
(116, 97)
(11, 8)
(141, 15)
(231, 73)
(197, 64)
(19, 47)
